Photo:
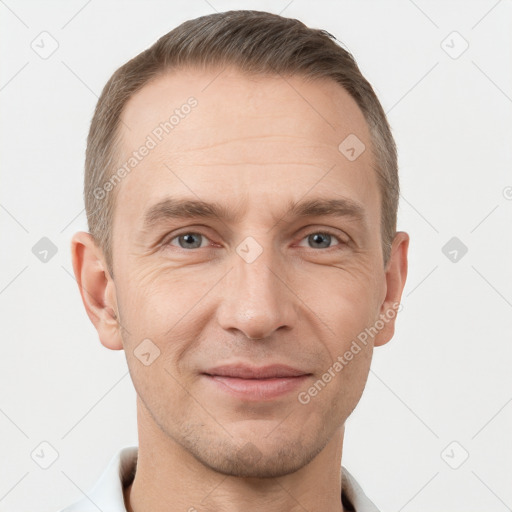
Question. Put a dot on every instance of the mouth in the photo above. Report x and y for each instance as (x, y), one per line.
(243, 371)
(255, 384)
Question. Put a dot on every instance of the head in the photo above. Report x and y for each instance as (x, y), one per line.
(241, 191)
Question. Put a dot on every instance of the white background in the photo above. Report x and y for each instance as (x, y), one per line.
(446, 376)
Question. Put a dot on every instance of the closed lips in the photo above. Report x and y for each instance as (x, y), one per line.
(251, 372)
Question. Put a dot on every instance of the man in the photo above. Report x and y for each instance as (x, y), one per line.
(241, 190)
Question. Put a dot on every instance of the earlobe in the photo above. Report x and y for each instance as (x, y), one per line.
(97, 289)
(396, 275)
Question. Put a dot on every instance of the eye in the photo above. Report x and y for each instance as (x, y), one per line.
(322, 240)
(189, 240)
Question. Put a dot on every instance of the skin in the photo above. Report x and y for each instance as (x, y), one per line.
(253, 143)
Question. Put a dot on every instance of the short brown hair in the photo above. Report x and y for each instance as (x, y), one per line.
(254, 42)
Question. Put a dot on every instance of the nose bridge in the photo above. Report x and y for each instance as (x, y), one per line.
(253, 271)
(256, 299)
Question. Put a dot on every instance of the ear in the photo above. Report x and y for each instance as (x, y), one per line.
(97, 289)
(396, 275)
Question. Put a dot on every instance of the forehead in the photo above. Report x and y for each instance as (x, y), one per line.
(261, 138)
(232, 104)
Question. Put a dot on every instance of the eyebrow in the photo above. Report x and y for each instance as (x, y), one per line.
(182, 209)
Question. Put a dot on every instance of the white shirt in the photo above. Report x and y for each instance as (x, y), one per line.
(107, 493)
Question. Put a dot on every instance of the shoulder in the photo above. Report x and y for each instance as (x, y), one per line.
(354, 498)
(107, 493)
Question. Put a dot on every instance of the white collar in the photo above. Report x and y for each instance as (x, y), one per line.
(107, 493)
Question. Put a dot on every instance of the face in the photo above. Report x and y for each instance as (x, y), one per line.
(269, 278)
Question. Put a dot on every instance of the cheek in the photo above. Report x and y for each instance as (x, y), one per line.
(350, 308)
(349, 304)
(152, 297)
(335, 392)
(157, 333)
(164, 306)
(353, 377)
(354, 312)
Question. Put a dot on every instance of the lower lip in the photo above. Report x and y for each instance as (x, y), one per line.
(257, 389)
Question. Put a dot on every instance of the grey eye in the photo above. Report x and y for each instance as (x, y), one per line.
(189, 240)
(320, 239)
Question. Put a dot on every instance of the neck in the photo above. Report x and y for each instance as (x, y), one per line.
(167, 473)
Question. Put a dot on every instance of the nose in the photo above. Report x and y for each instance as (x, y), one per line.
(256, 298)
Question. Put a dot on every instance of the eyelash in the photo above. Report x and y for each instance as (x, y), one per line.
(342, 243)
